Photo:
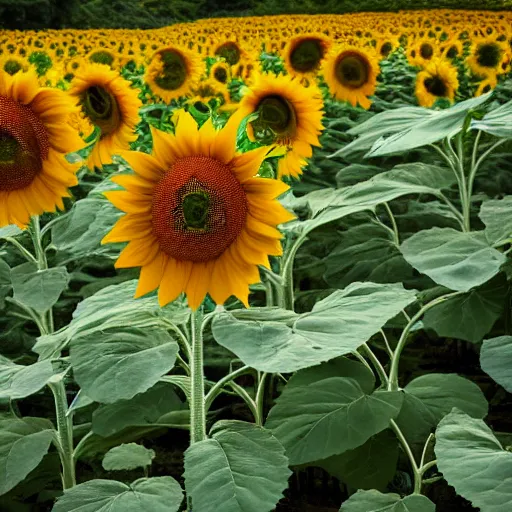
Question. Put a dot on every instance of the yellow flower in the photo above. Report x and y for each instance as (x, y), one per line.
(173, 72)
(351, 74)
(422, 51)
(34, 138)
(304, 54)
(197, 220)
(437, 80)
(108, 102)
(12, 64)
(488, 56)
(289, 115)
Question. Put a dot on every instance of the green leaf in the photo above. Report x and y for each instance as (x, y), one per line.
(416, 420)
(369, 466)
(23, 444)
(159, 494)
(38, 289)
(319, 415)
(440, 392)
(497, 122)
(460, 261)
(241, 468)
(109, 308)
(337, 325)
(367, 252)
(18, 381)
(119, 363)
(328, 205)
(442, 124)
(473, 461)
(9, 231)
(496, 360)
(374, 501)
(497, 217)
(78, 233)
(469, 316)
(127, 457)
(143, 409)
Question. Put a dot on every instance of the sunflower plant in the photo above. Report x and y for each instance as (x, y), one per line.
(291, 264)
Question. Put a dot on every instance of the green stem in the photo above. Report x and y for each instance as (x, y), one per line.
(216, 389)
(408, 451)
(286, 297)
(376, 364)
(465, 199)
(242, 393)
(27, 254)
(396, 236)
(64, 431)
(393, 373)
(260, 398)
(197, 402)
(427, 466)
(425, 447)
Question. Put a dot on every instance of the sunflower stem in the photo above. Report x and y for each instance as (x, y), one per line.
(64, 439)
(197, 403)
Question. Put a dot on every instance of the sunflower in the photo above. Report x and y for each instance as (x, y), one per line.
(303, 55)
(197, 220)
(103, 56)
(351, 75)
(12, 64)
(221, 73)
(109, 103)
(34, 138)
(488, 56)
(230, 51)
(289, 116)
(422, 52)
(173, 72)
(486, 85)
(438, 80)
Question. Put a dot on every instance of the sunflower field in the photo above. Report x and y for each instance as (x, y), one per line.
(257, 263)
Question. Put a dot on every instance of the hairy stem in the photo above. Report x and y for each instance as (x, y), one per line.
(197, 402)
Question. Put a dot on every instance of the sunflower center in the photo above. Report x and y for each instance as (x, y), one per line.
(452, 52)
(352, 70)
(101, 108)
(276, 119)
(306, 55)
(174, 71)
(221, 75)
(102, 57)
(426, 51)
(12, 66)
(229, 52)
(23, 145)
(436, 86)
(386, 48)
(199, 209)
(195, 206)
(488, 55)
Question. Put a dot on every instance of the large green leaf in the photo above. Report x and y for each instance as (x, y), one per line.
(112, 307)
(78, 233)
(10, 231)
(367, 252)
(319, 414)
(38, 289)
(23, 444)
(460, 261)
(443, 123)
(159, 494)
(369, 466)
(5, 281)
(374, 501)
(496, 360)
(127, 457)
(469, 316)
(473, 461)
(241, 468)
(328, 205)
(440, 392)
(337, 325)
(416, 420)
(18, 381)
(144, 409)
(496, 214)
(119, 363)
(497, 122)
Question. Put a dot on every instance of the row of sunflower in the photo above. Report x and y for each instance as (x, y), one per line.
(202, 59)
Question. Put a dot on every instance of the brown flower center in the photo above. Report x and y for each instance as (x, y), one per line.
(23, 145)
(101, 107)
(426, 51)
(435, 85)
(307, 55)
(230, 52)
(276, 120)
(174, 70)
(352, 70)
(199, 209)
